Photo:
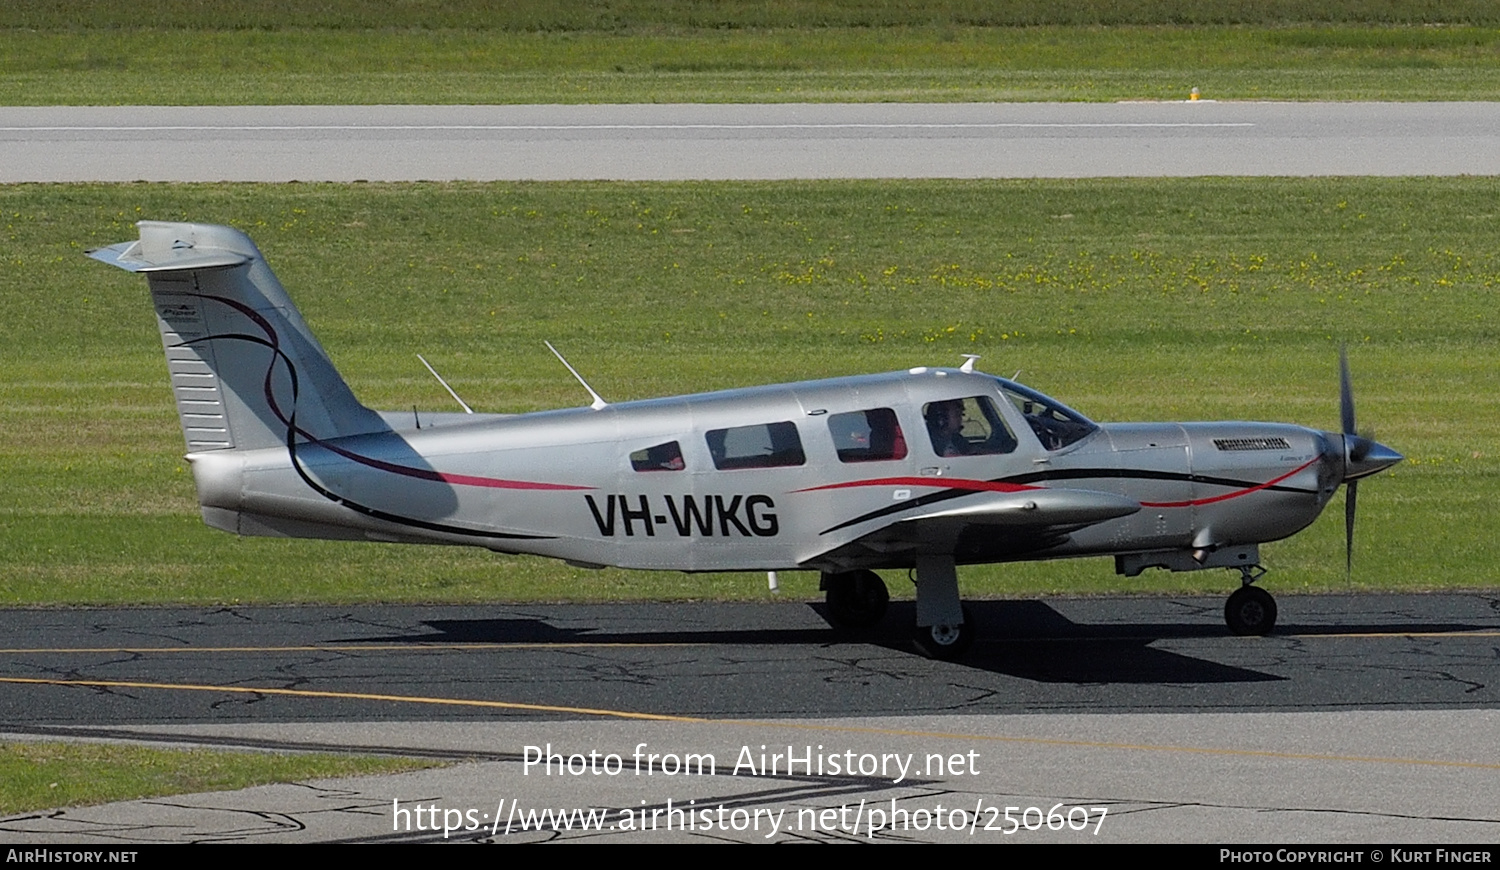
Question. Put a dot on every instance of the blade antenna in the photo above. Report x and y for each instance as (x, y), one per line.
(461, 402)
(598, 399)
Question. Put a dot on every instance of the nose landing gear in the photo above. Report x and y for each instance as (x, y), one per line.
(945, 642)
(1250, 611)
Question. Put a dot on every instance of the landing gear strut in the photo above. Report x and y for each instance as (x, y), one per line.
(944, 628)
(1250, 610)
(856, 599)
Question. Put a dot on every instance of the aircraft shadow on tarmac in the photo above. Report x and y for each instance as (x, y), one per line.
(1024, 639)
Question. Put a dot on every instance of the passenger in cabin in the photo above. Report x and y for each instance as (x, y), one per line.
(886, 440)
(662, 457)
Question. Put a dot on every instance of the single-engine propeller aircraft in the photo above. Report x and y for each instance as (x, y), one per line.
(925, 469)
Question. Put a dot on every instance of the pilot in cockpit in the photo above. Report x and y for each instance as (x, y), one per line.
(945, 423)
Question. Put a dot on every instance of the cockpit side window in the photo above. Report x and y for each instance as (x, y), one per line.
(661, 457)
(765, 445)
(1055, 426)
(867, 436)
(967, 427)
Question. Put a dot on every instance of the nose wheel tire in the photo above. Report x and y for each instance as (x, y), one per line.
(945, 642)
(1250, 611)
(855, 599)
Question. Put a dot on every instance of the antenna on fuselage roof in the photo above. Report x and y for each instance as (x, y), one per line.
(598, 399)
(461, 402)
(969, 360)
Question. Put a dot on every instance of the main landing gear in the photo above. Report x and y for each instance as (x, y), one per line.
(856, 599)
(1250, 610)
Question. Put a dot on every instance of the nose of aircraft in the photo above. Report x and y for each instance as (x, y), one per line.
(1364, 457)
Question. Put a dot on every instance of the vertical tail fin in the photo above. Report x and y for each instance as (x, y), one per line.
(245, 369)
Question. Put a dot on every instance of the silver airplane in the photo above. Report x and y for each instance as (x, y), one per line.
(924, 470)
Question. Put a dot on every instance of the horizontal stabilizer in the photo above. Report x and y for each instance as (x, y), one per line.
(130, 257)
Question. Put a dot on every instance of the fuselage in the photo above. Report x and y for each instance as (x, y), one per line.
(803, 475)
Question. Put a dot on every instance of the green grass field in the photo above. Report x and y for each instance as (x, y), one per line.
(624, 15)
(35, 776)
(1131, 300)
(358, 51)
(1334, 62)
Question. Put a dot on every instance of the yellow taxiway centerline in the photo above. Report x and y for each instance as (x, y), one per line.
(350, 696)
(362, 647)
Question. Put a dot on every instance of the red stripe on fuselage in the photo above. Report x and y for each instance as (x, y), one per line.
(1229, 495)
(932, 482)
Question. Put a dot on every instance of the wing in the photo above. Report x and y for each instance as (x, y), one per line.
(985, 527)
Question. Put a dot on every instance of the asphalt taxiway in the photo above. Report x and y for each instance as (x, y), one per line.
(730, 660)
(1362, 718)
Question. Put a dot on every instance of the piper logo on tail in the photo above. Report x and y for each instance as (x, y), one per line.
(688, 516)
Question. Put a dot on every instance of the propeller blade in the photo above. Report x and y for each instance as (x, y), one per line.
(1351, 498)
(1351, 445)
(1346, 392)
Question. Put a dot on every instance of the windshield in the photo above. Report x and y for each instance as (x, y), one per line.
(1055, 424)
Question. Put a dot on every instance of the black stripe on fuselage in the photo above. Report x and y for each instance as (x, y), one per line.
(273, 343)
(1063, 474)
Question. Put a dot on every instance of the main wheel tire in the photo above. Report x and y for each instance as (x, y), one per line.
(945, 642)
(856, 599)
(1250, 611)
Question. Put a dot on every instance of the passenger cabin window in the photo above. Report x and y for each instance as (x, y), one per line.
(867, 436)
(662, 457)
(967, 427)
(1055, 426)
(768, 445)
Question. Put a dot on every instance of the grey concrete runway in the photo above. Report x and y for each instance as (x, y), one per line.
(399, 143)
